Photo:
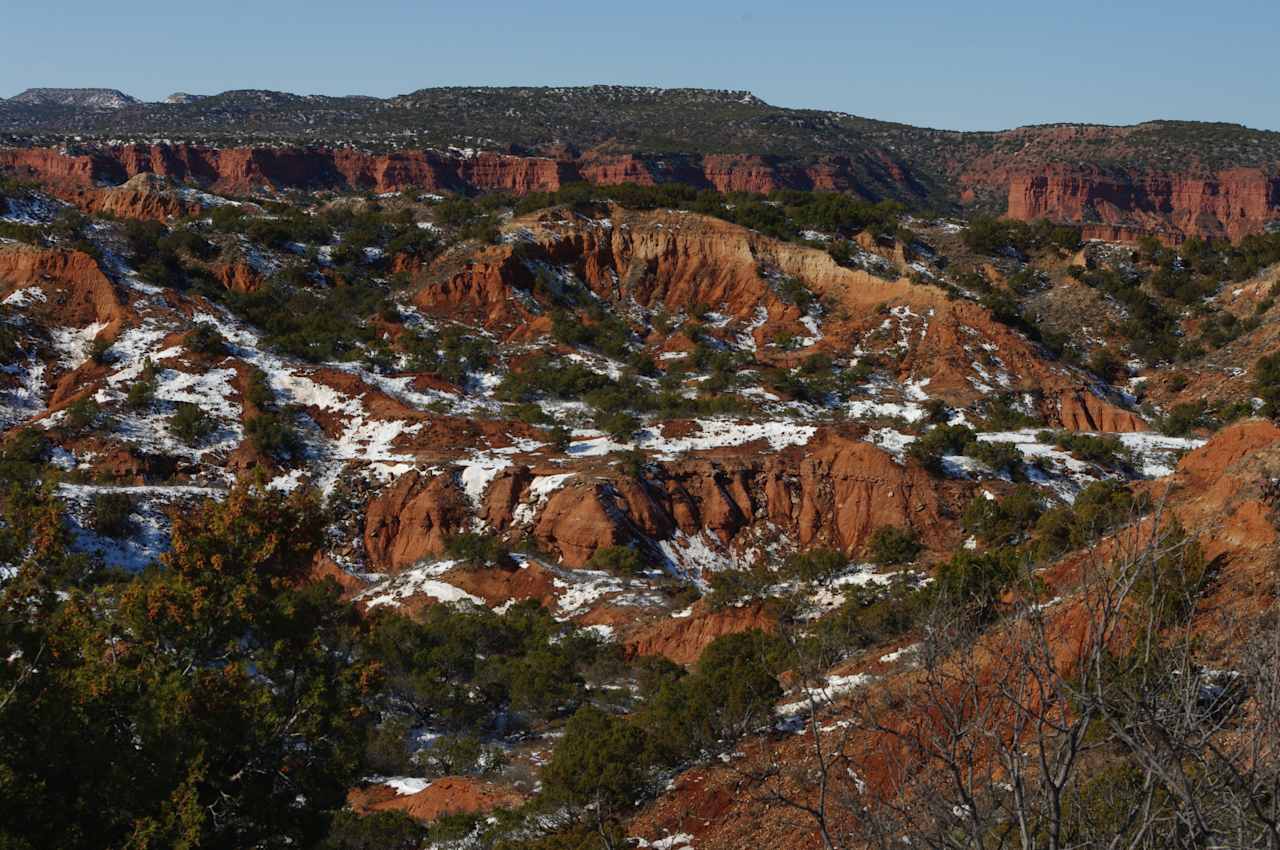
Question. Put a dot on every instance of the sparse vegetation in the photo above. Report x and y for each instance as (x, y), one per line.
(190, 423)
(893, 546)
(111, 514)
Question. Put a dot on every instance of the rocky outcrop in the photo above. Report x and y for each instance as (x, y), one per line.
(834, 492)
(668, 261)
(1231, 203)
(76, 292)
(238, 276)
(578, 520)
(411, 520)
(143, 196)
(242, 170)
(1081, 410)
(682, 639)
(1119, 182)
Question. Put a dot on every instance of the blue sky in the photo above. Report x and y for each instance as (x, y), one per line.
(961, 65)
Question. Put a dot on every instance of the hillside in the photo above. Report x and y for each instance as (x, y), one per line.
(347, 509)
(1175, 178)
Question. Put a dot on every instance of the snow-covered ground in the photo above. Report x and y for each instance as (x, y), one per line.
(422, 580)
(149, 516)
(710, 434)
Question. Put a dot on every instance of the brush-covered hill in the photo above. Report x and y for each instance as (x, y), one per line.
(444, 504)
(1175, 178)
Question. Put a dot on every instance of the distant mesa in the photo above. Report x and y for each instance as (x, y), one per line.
(82, 98)
(184, 97)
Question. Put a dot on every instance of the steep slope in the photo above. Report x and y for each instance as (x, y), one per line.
(885, 720)
(1169, 177)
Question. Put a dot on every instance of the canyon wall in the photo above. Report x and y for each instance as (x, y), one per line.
(242, 170)
(1227, 204)
(1109, 203)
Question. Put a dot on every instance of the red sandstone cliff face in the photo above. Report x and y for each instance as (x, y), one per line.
(1229, 204)
(671, 260)
(834, 492)
(76, 292)
(682, 639)
(241, 170)
(143, 196)
(1118, 203)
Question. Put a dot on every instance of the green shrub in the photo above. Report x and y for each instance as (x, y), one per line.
(559, 438)
(1002, 414)
(28, 233)
(1000, 456)
(379, 830)
(940, 440)
(1104, 451)
(98, 350)
(732, 586)
(457, 755)
(600, 761)
(607, 334)
(1098, 509)
(987, 235)
(313, 324)
(543, 377)
(272, 434)
(543, 682)
(111, 514)
(1183, 419)
(141, 394)
(23, 454)
(1106, 364)
(976, 581)
(190, 423)
(730, 693)
(258, 389)
(620, 425)
(1005, 521)
(453, 354)
(386, 746)
(477, 550)
(868, 616)
(733, 687)
(619, 560)
(81, 414)
(792, 291)
(205, 339)
(891, 546)
(1266, 384)
(816, 565)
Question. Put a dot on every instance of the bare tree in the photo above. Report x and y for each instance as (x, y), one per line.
(1087, 722)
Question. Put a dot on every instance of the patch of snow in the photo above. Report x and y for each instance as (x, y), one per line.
(403, 785)
(24, 297)
(710, 434)
(746, 339)
(73, 344)
(288, 482)
(478, 473)
(864, 409)
(420, 580)
(149, 515)
(894, 442)
(26, 399)
(578, 590)
(905, 652)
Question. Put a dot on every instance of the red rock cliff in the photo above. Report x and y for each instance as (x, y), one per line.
(1229, 204)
